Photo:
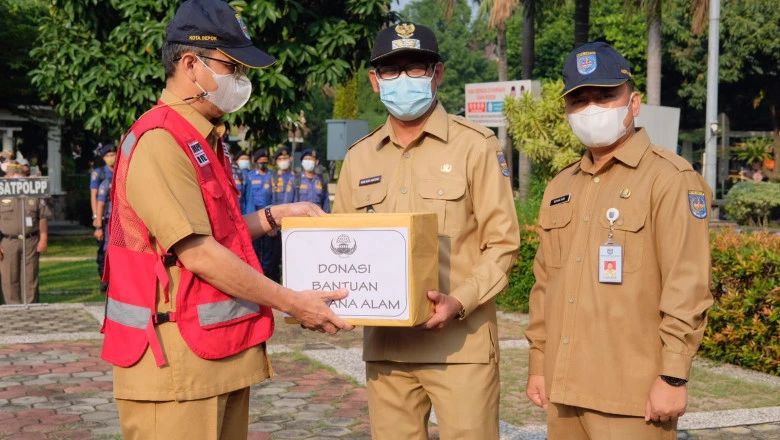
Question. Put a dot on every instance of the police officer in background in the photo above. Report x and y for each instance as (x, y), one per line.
(424, 160)
(313, 187)
(34, 229)
(240, 167)
(284, 187)
(100, 174)
(103, 210)
(622, 272)
(259, 195)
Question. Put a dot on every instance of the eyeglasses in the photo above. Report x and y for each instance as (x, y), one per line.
(235, 68)
(413, 70)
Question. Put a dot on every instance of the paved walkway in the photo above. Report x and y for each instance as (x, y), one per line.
(53, 385)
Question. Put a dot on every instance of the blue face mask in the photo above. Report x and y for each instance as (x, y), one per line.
(406, 98)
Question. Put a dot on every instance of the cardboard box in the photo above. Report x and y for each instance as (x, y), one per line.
(387, 262)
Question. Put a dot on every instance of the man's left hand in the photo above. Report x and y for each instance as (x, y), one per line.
(665, 402)
(43, 245)
(445, 309)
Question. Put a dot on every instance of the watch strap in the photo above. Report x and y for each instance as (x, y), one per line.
(673, 381)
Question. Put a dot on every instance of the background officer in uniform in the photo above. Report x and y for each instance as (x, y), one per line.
(284, 187)
(610, 353)
(424, 160)
(100, 174)
(313, 187)
(103, 211)
(241, 169)
(34, 228)
(259, 194)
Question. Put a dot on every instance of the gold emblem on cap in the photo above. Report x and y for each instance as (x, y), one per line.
(626, 193)
(446, 168)
(405, 30)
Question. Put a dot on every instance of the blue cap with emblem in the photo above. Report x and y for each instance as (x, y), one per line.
(404, 38)
(309, 152)
(103, 149)
(213, 24)
(595, 64)
(279, 152)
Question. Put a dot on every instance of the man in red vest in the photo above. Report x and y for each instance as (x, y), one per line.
(188, 309)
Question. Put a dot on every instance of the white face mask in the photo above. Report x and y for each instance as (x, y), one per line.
(244, 164)
(283, 164)
(232, 91)
(308, 165)
(599, 127)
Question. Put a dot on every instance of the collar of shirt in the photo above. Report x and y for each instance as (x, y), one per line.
(436, 125)
(205, 127)
(629, 154)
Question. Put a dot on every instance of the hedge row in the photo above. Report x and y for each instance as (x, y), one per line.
(744, 322)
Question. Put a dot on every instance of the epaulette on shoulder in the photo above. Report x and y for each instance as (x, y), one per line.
(679, 162)
(571, 165)
(486, 132)
(366, 136)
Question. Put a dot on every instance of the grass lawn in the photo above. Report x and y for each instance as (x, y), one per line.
(70, 281)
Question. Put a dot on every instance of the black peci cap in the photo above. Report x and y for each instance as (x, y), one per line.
(213, 24)
(404, 38)
(594, 64)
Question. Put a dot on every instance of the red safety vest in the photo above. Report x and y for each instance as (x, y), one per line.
(213, 324)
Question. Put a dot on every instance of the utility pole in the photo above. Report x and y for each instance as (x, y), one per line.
(711, 127)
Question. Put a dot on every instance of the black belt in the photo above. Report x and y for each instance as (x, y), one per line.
(19, 237)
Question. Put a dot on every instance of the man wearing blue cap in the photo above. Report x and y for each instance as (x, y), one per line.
(188, 309)
(101, 174)
(259, 195)
(424, 160)
(313, 188)
(622, 273)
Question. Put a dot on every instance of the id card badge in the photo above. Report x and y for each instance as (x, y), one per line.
(611, 263)
(28, 222)
(611, 254)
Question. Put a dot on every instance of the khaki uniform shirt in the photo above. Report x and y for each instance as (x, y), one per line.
(163, 190)
(601, 346)
(11, 221)
(452, 169)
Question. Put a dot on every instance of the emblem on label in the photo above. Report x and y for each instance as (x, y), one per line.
(698, 204)
(586, 63)
(626, 193)
(197, 151)
(243, 27)
(405, 30)
(343, 246)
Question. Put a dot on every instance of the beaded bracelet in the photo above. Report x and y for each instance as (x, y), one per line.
(270, 218)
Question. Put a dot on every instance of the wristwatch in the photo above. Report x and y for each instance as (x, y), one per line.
(673, 381)
(461, 314)
(94, 216)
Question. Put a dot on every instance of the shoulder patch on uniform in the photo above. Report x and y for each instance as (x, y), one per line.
(484, 131)
(697, 201)
(502, 163)
(366, 136)
(679, 162)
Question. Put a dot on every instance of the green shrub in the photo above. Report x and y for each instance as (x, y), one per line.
(754, 204)
(515, 297)
(744, 322)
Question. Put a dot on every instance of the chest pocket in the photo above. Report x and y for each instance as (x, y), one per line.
(372, 195)
(444, 197)
(630, 232)
(554, 223)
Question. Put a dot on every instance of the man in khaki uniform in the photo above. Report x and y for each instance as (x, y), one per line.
(34, 228)
(622, 272)
(191, 397)
(424, 160)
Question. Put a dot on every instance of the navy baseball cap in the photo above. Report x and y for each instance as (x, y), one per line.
(103, 149)
(309, 152)
(404, 38)
(594, 64)
(281, 151)
(260, 153)
(213, 24)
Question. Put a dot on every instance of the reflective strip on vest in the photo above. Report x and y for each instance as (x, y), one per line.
(224, 311)
(128, 314)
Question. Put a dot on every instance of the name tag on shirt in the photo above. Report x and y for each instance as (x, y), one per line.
(611, 264)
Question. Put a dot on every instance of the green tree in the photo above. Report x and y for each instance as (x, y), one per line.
(99, 60)
(346, 105)
(18, 29)
(539, 128)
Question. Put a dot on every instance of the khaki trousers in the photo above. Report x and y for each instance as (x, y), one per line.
(223, 417)
(566, 422)
(465, 397)
(11, 269)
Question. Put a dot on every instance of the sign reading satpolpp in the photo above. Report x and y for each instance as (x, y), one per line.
(34, 187)
(485, 101)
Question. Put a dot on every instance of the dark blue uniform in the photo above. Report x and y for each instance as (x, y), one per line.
(258, 190)
(96, 178)
(314, 190)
